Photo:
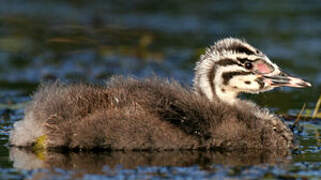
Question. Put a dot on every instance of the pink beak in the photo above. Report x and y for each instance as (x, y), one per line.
(284, 79)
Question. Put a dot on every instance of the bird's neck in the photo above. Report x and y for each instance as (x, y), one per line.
(229, 97)
(204, 82)
(203, 85)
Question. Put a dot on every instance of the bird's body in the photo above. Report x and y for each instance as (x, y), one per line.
(155, 114)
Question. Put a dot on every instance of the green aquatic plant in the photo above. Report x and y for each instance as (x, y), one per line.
(306, 113)
(317, 115)
(316, 109)
(298, 118)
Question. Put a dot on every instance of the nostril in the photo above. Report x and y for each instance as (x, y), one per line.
(283, 74)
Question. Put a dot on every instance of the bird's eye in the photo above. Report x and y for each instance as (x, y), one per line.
(248, 65)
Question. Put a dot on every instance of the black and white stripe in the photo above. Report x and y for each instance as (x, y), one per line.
(227, 76)
(239, 48)
(227, 62)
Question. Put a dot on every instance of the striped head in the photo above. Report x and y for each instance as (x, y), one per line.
(232, 66)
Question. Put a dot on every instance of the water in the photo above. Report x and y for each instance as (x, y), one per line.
(90, 41)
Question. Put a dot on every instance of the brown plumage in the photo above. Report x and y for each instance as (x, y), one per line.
(151, 114)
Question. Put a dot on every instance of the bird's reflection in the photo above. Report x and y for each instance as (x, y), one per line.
(94, 162)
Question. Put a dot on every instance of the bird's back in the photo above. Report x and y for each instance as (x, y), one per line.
(151, 114)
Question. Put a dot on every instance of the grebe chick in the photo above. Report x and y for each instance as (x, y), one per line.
(156, 114)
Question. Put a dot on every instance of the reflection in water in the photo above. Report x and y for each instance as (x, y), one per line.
(94, 162)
